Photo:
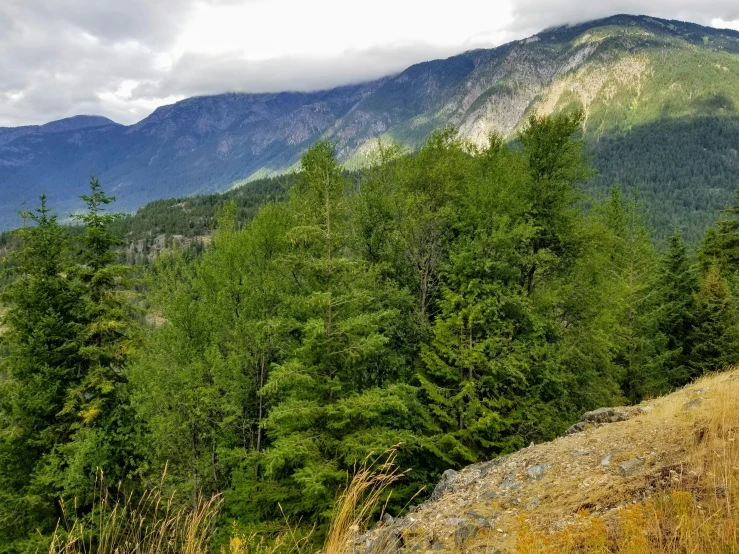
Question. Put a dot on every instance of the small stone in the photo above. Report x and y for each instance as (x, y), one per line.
(509, 482)
(606, 460)
(630, 467)
(465, 533)
(438, 546)
(578, 453)
(576, 428)
(537, 472)
(492, 495)
(692, 404)
(444, 485)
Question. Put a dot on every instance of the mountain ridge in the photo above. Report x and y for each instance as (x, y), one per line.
(205, 144)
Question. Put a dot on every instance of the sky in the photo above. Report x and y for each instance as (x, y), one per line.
(123, 58)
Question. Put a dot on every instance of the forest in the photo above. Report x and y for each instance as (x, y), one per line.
(455, 304)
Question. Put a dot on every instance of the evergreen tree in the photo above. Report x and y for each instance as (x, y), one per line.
(715, 334)
(42, 366)
(329, 414)
(674, 298)
(632, 260)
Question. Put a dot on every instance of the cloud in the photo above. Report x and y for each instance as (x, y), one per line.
(534, 15)
(195, 74)
(123, 58)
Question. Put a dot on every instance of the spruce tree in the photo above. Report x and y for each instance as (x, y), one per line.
(675, 289)
(329, 415)
(715, 333)
(108, 336)
(43, 364)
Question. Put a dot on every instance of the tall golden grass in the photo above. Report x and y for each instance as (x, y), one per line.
(367, 491)
(696, 513)
(151, 524)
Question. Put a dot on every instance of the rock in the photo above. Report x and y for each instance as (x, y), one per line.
(438, 546)
(480, 520)
(538, 471)
(576, 428)
(492, 495)
(387, 519)
(606, 460)
(455, 521)
(692, 404)
(388, 541)
(509, 482)
(630, 467)
(646, 409)
(601, 415)
(533, 503)
(578, 453)
(445, 484)
(465, 533)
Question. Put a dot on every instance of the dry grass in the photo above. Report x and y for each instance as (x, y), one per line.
(149, 525)
(354, 507)
(693, 508)
(368, 490)
(684, 501)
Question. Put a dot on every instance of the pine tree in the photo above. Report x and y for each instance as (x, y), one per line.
(108, 335)
(632, 260)
(715, 334)
(676, 286)
(329, 416)
(45, 305)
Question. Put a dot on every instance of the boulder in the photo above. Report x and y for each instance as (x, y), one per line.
(445, 484)
(538, 471)
(465, 533)
(630, 467)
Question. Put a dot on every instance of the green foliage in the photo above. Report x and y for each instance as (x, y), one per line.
(69, 334)
(457, 303)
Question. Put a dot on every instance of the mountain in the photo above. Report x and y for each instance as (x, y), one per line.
(660, 99)
(76, 123)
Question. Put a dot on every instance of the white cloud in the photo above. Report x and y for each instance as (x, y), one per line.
(123, 58)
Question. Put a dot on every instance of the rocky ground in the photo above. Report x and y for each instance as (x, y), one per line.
(611, 458)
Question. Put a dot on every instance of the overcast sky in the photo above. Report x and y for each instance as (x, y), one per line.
(123, 58)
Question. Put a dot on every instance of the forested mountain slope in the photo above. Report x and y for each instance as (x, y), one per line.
(660, 99)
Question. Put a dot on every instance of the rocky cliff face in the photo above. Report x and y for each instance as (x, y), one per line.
(624, 71)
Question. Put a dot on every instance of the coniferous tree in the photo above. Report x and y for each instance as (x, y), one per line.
(42, 366)
(715, 335)
(674, 297)
(329, 415)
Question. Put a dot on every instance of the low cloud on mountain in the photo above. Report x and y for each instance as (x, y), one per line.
(122, 59)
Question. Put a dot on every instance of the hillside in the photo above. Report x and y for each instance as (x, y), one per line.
(660, 99)
(658, 477)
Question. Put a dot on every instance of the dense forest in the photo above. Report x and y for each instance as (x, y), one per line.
(458, 304)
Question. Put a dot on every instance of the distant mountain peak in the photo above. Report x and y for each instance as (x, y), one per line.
(75, 123)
